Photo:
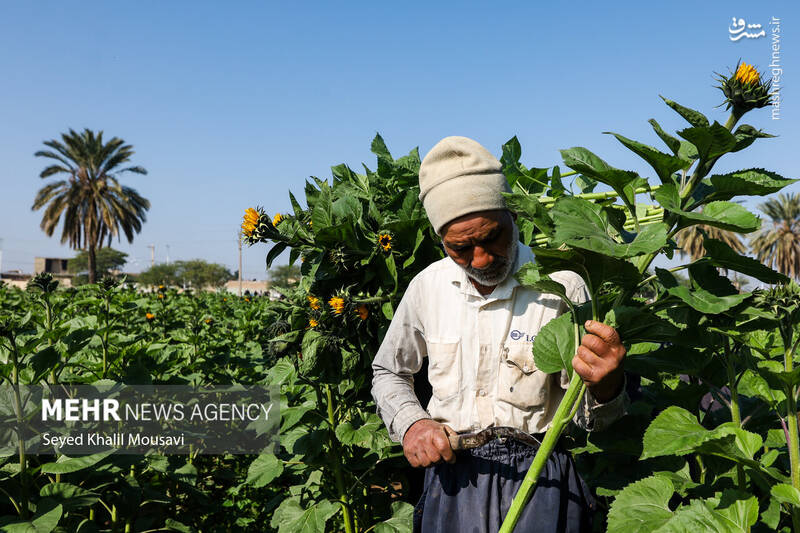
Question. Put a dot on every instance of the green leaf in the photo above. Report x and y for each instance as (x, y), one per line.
(313, 341)
(70, 496)
(641, 507)
(710, 141)
(699, 299)
(401, 520)
(748, 182)
(671, 359)
(776, 376)
(583, 224)
(664, 164)
(530, 208)
(725, 215)
(67, 465)
(594, 268)
(45, 520)
(554, 346)
(746, 134)
(636, 325)
(720, 254)
(785, 493)
(529, 276)
(290, 517)
(695, 118)
(705, 515)
(584, 161)
(370, 434)
(676, 431)
(264, 469)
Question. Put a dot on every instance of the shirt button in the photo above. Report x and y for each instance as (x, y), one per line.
(525, 368)
(481, 392)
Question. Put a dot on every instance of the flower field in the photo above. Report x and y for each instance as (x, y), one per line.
(710, 441)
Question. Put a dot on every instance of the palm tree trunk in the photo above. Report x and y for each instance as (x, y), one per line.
(92, 266)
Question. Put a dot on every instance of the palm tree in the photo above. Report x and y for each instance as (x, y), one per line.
(94, 204)
(779, 244)
(690, 240)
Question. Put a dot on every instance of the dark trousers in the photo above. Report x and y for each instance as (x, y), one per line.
(474, 493)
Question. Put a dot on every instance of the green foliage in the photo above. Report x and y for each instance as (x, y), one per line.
(102, 331)
(195, 273)
(107, 260)
(284, 275)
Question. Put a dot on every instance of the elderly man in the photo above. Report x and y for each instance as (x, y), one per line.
(473, 321)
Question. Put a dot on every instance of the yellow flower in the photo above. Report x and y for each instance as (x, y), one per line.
(161, 287)
(209, 321)
(224, 299)
(276, 219)
(247, 299)
(312, 323)
(313, 302)
(160, 295)
(149, 316)
(362, 311)
(337, 304)
(385, 241)
(251, 217)
(744, 90)
(747, 74)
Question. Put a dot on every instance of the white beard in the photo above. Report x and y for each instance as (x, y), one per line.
(500, 268)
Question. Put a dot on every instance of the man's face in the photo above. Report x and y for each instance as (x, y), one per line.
(484, 244)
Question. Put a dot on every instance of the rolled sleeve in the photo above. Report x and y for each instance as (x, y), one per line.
(596, 416)
(399, 357)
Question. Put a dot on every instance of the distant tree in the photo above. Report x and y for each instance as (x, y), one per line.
(94, 205)
(195, 273)
(107, 260)
(779, 244)
(284, 275)
(160, 274)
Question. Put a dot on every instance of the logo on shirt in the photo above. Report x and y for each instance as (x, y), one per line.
(517, 335)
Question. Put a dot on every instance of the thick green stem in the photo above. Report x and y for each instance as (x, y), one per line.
(23, 462)
(736, 415)
(564, 413)
(335, 460)
(791, 422)
(560, 421)
(598, 195)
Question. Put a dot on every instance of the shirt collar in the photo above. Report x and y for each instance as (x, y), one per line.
(502, 291)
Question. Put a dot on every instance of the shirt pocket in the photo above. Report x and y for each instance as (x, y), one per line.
(519, 382)
(444, 368)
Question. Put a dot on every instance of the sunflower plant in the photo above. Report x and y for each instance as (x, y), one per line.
(360, 239)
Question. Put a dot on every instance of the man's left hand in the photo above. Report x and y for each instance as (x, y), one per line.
(598, 361)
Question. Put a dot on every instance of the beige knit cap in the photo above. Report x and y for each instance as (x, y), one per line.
(457, 177)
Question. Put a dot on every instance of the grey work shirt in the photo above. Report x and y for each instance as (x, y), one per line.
(479, 350)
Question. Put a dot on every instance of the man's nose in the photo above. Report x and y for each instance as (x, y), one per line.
(481, 258)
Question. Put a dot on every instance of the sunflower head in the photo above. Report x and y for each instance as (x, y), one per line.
(277, 219)
(744, 89)
(337, 304)
(256, 225)
(385, 241)
(150, 317)
(362, 311)
(209, 321)
(312, 323)
(313, 302)
(160, 295)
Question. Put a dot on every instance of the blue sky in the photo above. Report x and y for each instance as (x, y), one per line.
(232, 104)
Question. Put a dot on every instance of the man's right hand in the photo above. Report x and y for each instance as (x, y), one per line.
(426, 443)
